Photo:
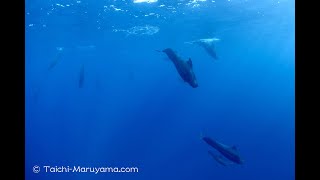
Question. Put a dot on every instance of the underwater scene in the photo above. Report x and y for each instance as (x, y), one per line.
(160, 89)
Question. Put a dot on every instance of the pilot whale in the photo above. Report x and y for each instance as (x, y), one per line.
(207, 45)
(57, 58)
(230, 153)
(184, 68)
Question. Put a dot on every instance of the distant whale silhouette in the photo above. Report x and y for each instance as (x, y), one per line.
(57, 58)
(207, 45)
(184, 68)
(231, 153)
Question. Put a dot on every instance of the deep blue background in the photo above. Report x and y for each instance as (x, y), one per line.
(134, 109)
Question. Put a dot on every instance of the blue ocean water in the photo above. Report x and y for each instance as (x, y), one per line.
(99, 95)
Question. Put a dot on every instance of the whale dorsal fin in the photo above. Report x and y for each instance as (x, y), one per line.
(189, 62)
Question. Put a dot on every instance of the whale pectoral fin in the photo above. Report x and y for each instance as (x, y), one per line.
(189, 62)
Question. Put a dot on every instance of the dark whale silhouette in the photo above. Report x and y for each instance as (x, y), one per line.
(57, 58)
(184, 68)
(230, 153)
